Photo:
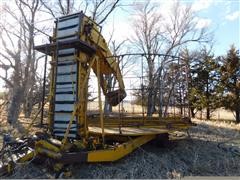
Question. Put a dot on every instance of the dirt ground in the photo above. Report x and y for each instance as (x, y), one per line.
(211, 149)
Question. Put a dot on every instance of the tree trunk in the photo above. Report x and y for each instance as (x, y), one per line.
(181, 109)
(14, 106)
(160, 98)
(237, 92)
(192, 112)
(208, 113)
(27, 108)
(151, 102)
(208, 99)
(110, 84)
(168, 100)
(237, 115)
(29, 75)
(28, 104)
(180, 99)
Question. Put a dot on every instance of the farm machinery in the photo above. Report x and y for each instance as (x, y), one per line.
(75, 136)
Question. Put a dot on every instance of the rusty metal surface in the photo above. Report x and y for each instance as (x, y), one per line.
(115, 97)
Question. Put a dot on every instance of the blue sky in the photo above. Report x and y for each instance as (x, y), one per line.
(225, 21)
(221, 17)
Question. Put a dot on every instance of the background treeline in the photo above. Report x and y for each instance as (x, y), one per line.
(198, 81)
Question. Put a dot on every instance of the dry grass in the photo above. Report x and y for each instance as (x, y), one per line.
(195, 156)
(20, 128)
(219, 114)
(208, 152)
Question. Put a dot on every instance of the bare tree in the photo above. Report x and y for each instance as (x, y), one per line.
(99, 10)
(28, 11)
(148, 40)
(20, 56)
(58, 7)
(102, 9)
(14, 84)
(180, 32)
(156, 34)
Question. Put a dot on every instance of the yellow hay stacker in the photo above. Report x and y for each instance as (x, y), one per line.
(75, 136)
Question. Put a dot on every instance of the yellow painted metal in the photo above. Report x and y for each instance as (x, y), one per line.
(167, 125)
(81, 105)
(57, 167)
(48, 153)
(27, 157)
(10, 168)
(100, 100)
(46, 145)
(84, 103)
(82, 97)
(133, 126)
(108, 65)
(137, 118)
(118, 152)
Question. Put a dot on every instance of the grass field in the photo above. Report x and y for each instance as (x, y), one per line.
(126, 107)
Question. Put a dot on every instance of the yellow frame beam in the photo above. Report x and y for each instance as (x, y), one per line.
(109, 155)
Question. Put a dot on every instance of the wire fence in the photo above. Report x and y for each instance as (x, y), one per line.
(136, 86)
